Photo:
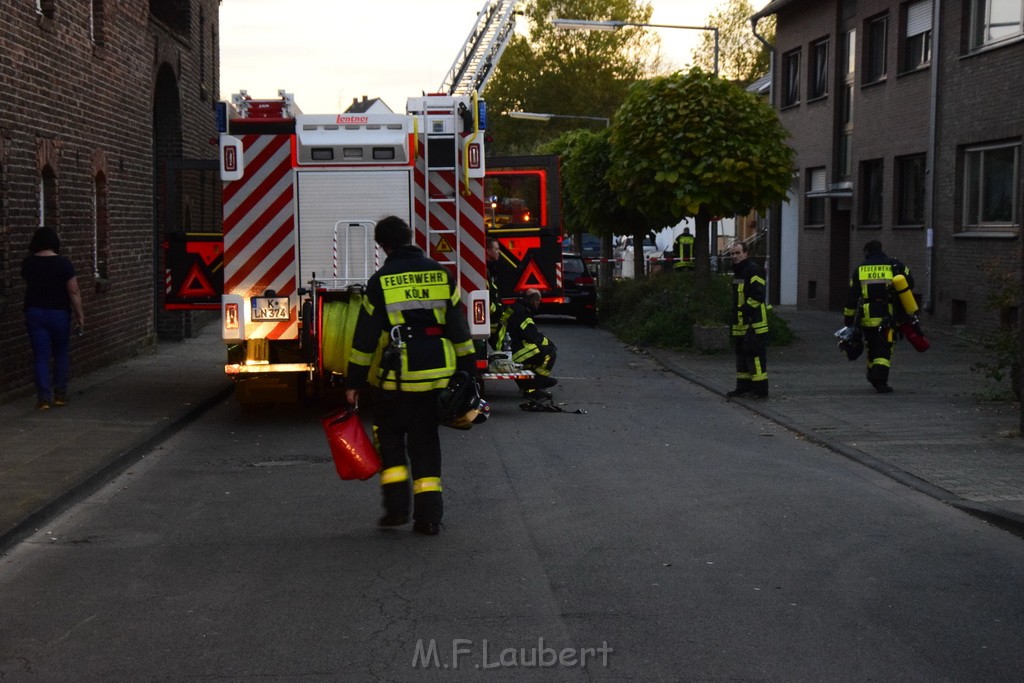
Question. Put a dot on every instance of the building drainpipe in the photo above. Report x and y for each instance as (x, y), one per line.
(774, 222)
(933, 116)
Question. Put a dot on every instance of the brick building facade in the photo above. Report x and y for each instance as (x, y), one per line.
(906, 119)
(97, 96)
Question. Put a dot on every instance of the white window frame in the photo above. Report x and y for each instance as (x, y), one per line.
(917, 35)
(981, 22)
(972, 184)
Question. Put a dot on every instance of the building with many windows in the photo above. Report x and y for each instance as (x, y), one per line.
(100, 99)
(907, 121)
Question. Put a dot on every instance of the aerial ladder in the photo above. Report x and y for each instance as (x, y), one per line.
(476, 61)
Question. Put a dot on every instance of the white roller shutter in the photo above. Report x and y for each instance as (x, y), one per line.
(919, 18)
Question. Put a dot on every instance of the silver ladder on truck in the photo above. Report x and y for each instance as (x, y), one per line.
(480, 54)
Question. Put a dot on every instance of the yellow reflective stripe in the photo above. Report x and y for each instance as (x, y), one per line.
(850, 311)
(525, 352)
(465, 348)
(757, 278)
(367, 305)
(413, 387)
(359, 358)
(426, 485)
(393, 475)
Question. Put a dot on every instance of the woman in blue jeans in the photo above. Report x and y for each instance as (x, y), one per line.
(51, 298)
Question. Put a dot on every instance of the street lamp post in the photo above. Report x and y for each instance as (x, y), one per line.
(587, 25)
(537, 116)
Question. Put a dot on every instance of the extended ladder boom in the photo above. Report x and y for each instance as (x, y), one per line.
(479, 56)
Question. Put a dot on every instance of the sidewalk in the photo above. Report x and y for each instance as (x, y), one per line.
(933, 433)
(49, 459)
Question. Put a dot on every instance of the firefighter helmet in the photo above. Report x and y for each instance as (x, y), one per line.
(851, 343)
(459, 405)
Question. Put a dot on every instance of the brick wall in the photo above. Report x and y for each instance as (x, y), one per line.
(980, 100)
(84, 107)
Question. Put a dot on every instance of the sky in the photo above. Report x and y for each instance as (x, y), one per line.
(328, 52)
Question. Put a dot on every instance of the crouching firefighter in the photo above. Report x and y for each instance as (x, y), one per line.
(529, 346)
(749, 325)
(872, 297)
(410, 309)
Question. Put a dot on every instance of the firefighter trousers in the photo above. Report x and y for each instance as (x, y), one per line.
(405, 426)
(878, 346)
(540, 363)
(751, 363)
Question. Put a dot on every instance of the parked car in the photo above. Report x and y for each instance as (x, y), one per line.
(580, 291)
(591, 246)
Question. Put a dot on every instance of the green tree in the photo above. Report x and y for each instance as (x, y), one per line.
(742, 57)
(564, 72)
(691, 145)
(588, 202)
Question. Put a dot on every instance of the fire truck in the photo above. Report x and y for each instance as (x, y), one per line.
(524, 214)
(302, 194)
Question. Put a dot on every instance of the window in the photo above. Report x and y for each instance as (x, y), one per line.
(96, 22)
(871, 192)
(817, 79)
(990, 184)
(791, 78)
(876, 49)
(995, 20)
(910, 173)
(48, 198)
(816, 185)
(844, 144)
(917, 42)
(101, 228)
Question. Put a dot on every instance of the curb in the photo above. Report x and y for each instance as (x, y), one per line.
(111, 468)
(1004, 519)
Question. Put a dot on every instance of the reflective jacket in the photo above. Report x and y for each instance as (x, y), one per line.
(871, 294)
(410, 315)
(748, 296)
(684, 251)
(525, 339)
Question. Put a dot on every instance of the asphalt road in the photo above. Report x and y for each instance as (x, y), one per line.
(664, 535)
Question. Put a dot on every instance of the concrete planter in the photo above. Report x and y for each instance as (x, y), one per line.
(710, 337)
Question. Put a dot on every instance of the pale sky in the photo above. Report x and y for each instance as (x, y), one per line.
(327, 52)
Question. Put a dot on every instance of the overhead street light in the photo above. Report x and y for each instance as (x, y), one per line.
(536, 116)
(587, 25)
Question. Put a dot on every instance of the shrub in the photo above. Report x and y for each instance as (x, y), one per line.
(662, 309)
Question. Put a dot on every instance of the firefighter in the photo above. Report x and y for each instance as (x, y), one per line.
(871, 304)
(684, 251)
(493, 254)
(529, 346)
(410, 308)
(749, 326)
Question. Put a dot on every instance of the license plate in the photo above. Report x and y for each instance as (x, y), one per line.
(267, 308)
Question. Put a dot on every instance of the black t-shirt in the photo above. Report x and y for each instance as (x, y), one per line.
(47, 278)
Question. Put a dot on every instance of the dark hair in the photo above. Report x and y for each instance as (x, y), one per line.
(491, 240)
(42, 239)
(873, 247)
(392, 232)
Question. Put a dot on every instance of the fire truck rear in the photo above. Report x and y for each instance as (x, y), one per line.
(302, 195)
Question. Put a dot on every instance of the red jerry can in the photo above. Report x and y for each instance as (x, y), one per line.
(352, 450)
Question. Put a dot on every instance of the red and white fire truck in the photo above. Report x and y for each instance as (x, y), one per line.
(302, 194)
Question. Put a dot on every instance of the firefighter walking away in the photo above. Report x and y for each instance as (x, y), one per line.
(871, 304)
(411, 310)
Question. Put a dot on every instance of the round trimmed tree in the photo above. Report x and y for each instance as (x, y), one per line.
(695, 146)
